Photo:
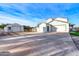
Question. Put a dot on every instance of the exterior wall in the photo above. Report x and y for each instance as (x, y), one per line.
(67, 26)
(50, 28)
(14, 28)
(22, 28)
(42, 28)
(1, 31)
(6, 29)
(61, 26)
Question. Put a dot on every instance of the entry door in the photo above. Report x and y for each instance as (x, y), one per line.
(47, 28)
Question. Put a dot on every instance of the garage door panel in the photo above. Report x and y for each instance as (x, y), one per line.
(61, 28)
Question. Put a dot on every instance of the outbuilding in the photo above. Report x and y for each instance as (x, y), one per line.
(14, 28)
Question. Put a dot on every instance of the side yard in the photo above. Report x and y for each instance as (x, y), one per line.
(75, 33)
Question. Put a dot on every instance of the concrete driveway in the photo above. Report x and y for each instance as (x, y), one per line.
(43, 44)
(76, 42)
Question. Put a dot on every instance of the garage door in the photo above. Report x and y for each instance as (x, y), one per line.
(61, 28)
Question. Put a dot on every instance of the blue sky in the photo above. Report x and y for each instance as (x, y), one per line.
(33, 13)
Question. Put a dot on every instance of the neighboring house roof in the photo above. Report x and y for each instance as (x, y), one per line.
(12, 25)
(15, 24)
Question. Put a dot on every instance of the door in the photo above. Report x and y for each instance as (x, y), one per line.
(47, 28)
(9, 29)
(61, 28)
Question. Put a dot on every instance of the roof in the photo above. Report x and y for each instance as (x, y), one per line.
(54, 19)
(62, 19)
(49, 20)
(58, 19)
(39, 24)
(43, 22)
(15, 24)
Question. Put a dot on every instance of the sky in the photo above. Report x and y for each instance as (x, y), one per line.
(31, 14)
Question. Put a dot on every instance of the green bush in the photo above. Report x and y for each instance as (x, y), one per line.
(74, 33)
(2, 26)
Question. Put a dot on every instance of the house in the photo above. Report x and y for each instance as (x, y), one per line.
(54, 25)
(14, 28)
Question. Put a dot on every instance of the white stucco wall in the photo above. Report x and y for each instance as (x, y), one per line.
(61, 26)
(1, 31)
(58, 25)
(14, 28)
(6, 28)
(41, 28)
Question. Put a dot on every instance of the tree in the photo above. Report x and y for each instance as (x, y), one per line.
(27, 28)
(2, 26)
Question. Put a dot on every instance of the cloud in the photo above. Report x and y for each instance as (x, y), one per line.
(9, 19)
(34, 13)
(16, 13)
